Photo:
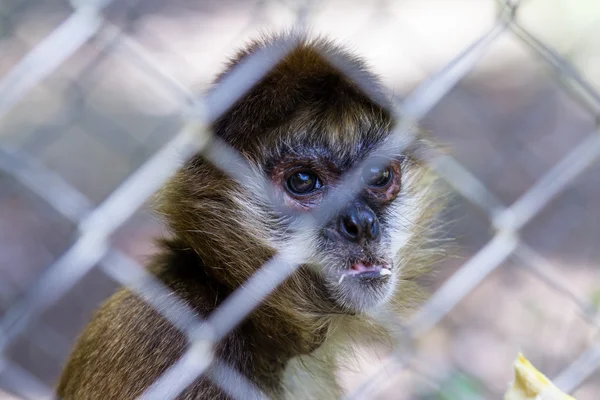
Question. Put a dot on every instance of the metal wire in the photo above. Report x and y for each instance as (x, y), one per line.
(96, 224)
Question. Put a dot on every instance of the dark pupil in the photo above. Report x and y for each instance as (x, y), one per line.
(378, 176)
(302, 182)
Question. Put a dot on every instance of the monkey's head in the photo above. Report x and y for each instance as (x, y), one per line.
(306, 126)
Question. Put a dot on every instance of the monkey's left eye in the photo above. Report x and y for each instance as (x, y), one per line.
(377, 176)
(303, 182)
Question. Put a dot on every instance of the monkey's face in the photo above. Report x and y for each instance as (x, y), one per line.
(307, 127)
(357, 253)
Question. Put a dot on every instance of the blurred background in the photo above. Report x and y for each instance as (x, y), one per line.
(102, 113)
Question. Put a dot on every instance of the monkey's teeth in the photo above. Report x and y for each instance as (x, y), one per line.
(385, 271)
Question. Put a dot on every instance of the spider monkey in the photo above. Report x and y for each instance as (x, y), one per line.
(304, 125)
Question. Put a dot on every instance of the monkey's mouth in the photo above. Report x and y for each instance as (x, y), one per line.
(363, 270)
(362, 284)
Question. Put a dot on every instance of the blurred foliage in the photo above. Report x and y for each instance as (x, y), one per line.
(457, 386)
(596, 298)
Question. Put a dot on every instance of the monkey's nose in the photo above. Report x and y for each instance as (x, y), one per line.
(358, 222)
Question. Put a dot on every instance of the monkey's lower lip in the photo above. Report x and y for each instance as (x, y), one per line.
(369, 271)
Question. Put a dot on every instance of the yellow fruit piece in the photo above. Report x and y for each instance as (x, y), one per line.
(531, 384)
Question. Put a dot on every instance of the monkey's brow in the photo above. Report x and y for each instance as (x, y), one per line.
(323, 158)
(341, 155)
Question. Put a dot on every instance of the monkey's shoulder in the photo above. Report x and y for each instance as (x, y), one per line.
(129, 343)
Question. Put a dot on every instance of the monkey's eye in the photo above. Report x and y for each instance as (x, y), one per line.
(303, 182)
(377, 176)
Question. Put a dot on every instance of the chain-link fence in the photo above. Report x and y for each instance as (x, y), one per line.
(93, 122)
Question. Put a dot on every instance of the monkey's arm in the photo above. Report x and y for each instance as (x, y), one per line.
(122, 351)
(128, 344)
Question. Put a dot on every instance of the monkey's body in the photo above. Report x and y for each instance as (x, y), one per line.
(128, 345)
(304, 125)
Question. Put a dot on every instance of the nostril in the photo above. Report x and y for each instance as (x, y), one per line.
(350, 227)
(374, 229)
(358, 223)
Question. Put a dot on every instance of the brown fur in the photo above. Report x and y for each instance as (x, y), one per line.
(223, 232)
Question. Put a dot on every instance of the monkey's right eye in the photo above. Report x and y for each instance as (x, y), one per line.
(303, 182)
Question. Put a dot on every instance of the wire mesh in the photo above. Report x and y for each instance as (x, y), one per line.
(92, 31)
